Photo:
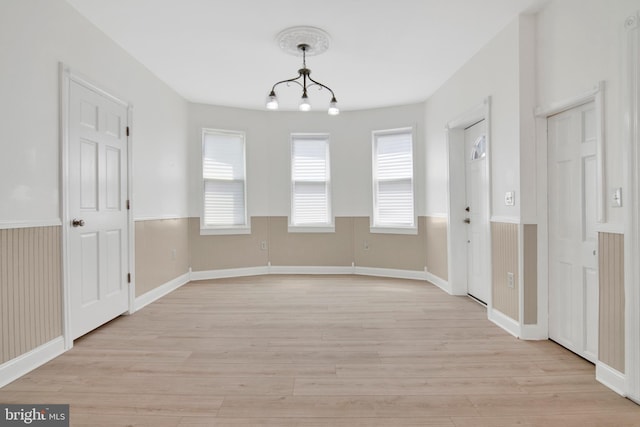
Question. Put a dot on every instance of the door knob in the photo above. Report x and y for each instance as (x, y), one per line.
(77, 222)
(467, 220)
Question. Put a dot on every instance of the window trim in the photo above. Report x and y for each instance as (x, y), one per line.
(328, 227)
(393, 228)
(224, 229)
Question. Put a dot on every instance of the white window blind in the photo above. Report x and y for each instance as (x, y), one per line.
(393, 179)
(310, 180)
(223, 174)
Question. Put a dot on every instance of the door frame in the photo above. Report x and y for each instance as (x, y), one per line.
(67, 76)
(631, 206)
(456, 198)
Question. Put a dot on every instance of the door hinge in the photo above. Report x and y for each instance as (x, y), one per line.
(127, 130)
(128, 204)
(128, 277)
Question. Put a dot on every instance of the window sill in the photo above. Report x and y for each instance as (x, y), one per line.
(224, 231)
(394, 230)
(311, 228)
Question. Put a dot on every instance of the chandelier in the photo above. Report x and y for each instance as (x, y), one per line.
(303, 41)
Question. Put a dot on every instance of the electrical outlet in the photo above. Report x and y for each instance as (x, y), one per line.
(366, 245)
(174, 254)
(263, 245)
(510, 281)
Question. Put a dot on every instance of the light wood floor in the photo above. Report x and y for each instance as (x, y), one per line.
(319, 351)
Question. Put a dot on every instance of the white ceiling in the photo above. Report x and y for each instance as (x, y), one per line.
(382, 53)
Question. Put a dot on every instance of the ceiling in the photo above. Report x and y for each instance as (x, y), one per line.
(382, 52)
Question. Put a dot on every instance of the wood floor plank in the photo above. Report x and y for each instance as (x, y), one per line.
(93, 420)
(441, 370)
(559, 384)
(215, 370)
(317, 422)
(571, 403)
(611, 419)
(404, 386)
(311, 351)
(354, 406)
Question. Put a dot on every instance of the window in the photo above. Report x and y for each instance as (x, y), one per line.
(393, 205)
(479, 150)
(310, 181)
(224, 183)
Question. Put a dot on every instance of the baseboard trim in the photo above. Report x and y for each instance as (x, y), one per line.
(390, 272)
(505, 322)
(533, 333)
(439, 282)
(162, 290)
(611, 378)
(288, 269)
(25, 363)
(229, 272)
(284, 269)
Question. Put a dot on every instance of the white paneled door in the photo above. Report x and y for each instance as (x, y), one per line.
(97, 197)
(475, 143)
(573, 240)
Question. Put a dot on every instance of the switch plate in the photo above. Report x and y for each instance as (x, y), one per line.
(616, 198)
(510, 198)
(510, 281)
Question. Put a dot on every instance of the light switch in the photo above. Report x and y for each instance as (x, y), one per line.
(510, 198)
(616, 198)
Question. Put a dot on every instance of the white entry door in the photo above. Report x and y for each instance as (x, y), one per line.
(475, 142)
(97, 197)
(573, 240)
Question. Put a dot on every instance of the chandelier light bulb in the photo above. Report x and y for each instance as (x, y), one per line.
(333, 107)
(272, 101)
(304, 103)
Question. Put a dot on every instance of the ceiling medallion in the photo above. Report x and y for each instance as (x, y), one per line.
(316, 40)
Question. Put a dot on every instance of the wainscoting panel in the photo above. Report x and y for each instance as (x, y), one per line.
(310, 249)
(530, 273)
(611, 313)
(219, 252)
(162, 252)
(436, 247)
(504, 254)
(352, 243)
(392, 251)
(30, 289)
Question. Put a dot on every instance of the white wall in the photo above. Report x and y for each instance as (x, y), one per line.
(574, 51)
(493, 71)
(34, 36)
(268, 153)
(581, 42)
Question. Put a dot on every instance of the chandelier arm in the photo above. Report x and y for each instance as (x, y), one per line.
(293, 80)
(316, 83)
